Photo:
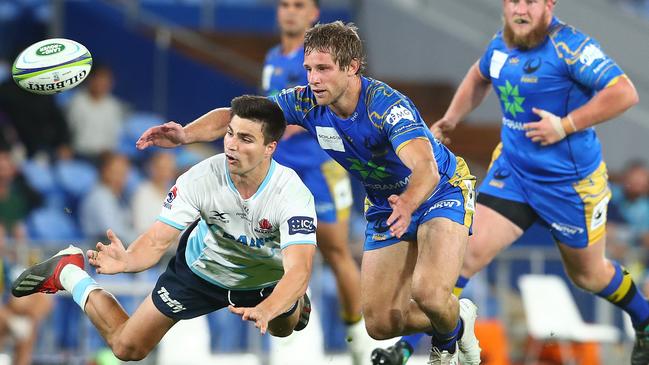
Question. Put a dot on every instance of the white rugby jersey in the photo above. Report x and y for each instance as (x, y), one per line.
(238, 242)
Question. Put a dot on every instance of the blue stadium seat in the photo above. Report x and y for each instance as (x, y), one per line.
(39, 176)
(52, 223)
(75, 177)
(133, 128)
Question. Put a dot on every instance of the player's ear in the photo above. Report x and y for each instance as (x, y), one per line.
(550, 4)
(353, 67)
(270, 149)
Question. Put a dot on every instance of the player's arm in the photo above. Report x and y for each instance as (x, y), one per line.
(297, 261)
(418, 156)
(607, 104)
(206, 128)
(469, 95)
(142, 254)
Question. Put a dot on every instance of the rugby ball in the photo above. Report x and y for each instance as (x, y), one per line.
(51, 66)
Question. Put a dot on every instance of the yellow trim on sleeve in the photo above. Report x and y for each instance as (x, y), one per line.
(403, 144)
(615, 80)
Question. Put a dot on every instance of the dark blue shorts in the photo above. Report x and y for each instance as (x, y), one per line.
(181, 294)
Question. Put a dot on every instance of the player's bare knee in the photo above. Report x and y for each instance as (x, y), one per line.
(431, 299)
(129, 350)
(586, 280)
(386, 326)
(474, 261)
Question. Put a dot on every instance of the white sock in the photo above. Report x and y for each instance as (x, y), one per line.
(77, 282)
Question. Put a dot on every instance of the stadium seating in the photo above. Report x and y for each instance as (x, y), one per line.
(552, 316)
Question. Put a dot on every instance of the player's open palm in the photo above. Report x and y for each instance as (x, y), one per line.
(110, 258)
(441, 128)
(253, 314)
(168, 135)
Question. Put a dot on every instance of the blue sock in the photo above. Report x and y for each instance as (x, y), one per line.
(446, 341)
(412, 340)
(460, 284)
(623, 293)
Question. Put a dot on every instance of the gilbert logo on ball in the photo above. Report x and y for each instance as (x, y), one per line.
(51, 66)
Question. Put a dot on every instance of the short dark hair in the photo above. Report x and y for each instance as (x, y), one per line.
(338, 39)
(316, 3)
(261, 109)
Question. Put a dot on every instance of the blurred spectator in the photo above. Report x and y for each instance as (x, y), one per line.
(37, 120)
(17, 198)
(105, 207)
(147, 199)
(629, 204)
(20, 318)
(627, 229)
(95, 116)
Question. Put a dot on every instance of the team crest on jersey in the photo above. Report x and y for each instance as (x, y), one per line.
(398, 113)
(171, 195)
(264, 226)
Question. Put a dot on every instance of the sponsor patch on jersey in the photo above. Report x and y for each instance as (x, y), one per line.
(397, 113)
(171, 195)
(301, 225)
(591, 54)
(498, 60)
(329, 139)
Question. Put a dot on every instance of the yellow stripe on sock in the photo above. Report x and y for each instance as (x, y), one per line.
(624, 288)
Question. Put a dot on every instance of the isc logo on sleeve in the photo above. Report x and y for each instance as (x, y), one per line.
(301, 225)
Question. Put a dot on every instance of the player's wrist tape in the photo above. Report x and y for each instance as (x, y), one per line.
(568, 124)
(558, 126)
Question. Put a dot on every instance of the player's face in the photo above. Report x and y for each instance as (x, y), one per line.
(296, 16)
(245, 149)
(326, 79)
(526, 21)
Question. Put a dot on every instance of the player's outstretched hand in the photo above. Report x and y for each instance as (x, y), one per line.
(253, 314)
(441, 128)
(111, 258)
(401, 215)
(546, 131)
(168, 135)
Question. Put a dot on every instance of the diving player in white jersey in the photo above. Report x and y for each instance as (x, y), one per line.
(248, 244)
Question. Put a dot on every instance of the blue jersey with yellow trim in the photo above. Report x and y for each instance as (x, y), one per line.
(560, 75)
(367, 143)
(283, 71)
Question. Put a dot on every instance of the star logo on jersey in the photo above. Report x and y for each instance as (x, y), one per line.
(371, 170)
(512, 100)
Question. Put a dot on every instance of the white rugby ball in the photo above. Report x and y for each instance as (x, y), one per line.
(51, 66)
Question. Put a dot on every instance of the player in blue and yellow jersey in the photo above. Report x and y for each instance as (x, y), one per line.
(554, 84)
(419, 195)
(327, 180)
